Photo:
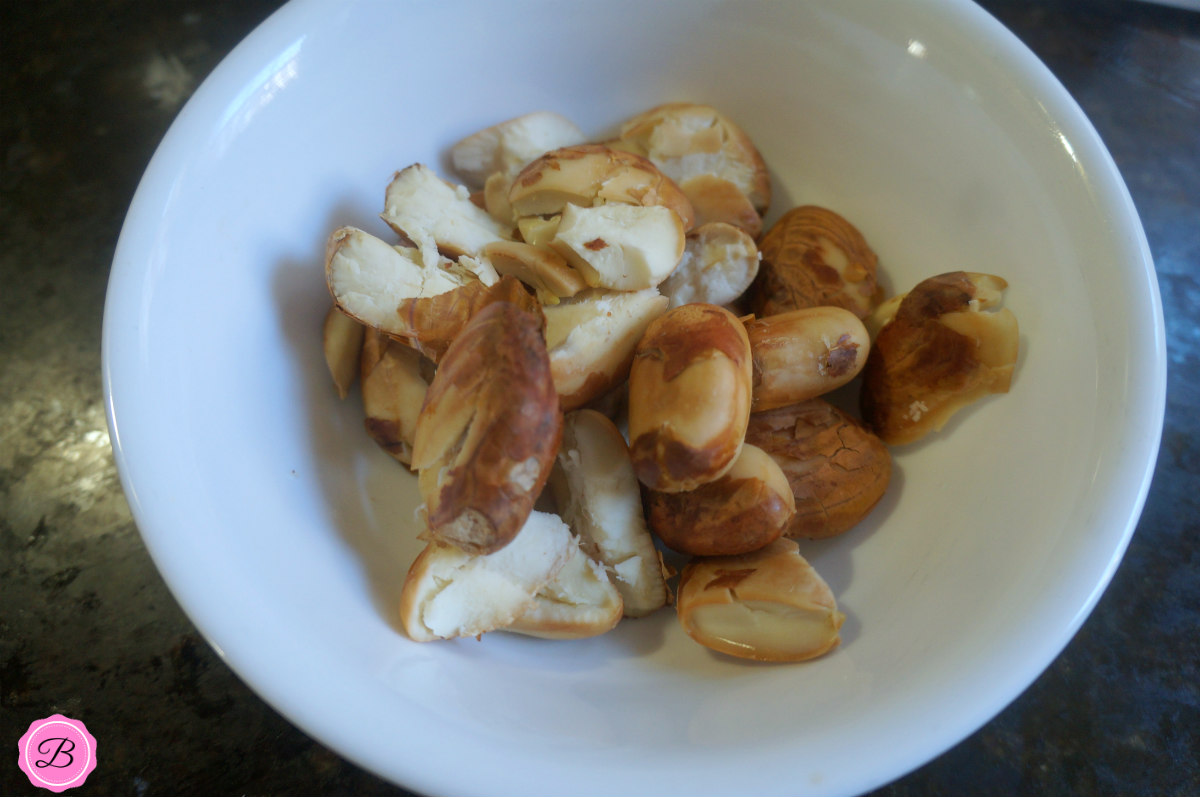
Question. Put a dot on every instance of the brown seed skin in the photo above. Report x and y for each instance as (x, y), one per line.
(838, 470)
(747, 508)
(812, 257)
(393, 390)
(938, 354)
(689, 397)
(435, 321)
(489, 430)
(590, 172)
(802, 354)
(784, 610)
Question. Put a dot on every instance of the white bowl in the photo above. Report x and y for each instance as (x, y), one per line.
(285, 533)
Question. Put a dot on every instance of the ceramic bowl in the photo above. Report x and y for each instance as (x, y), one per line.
(285, 533)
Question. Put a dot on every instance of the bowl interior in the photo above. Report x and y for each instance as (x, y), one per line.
(285, 533)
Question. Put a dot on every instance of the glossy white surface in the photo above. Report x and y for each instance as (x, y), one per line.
(285, 533)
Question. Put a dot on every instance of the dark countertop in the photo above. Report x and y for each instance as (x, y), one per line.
(88, 629)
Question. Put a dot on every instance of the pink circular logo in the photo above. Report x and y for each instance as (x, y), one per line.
(57, 753)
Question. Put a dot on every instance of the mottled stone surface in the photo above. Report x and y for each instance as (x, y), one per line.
(88, 629)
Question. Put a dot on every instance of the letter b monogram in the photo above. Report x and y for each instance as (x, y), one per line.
(64, 748)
